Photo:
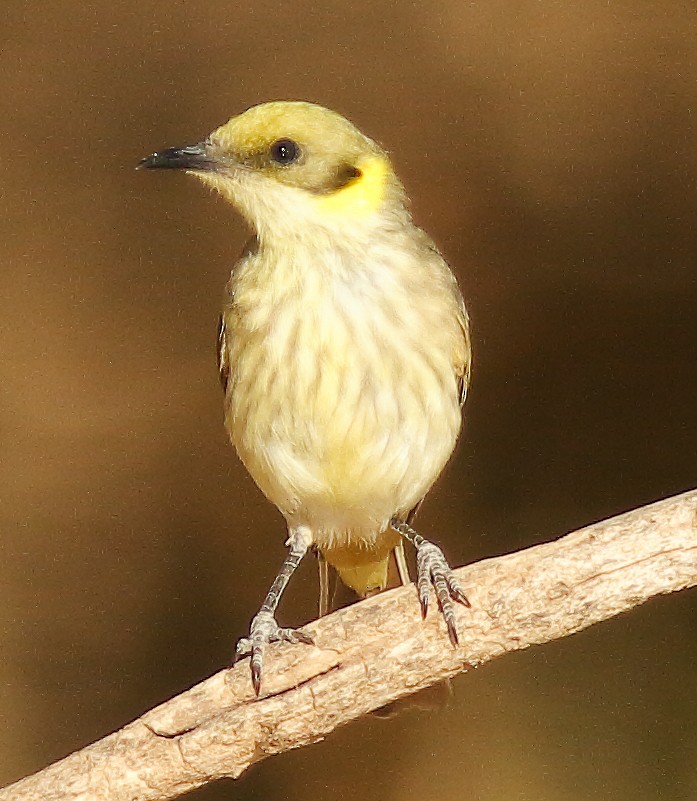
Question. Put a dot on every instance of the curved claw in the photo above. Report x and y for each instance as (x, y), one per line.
(423, 580)
(263, 631)
(456, 591)
(257, 661)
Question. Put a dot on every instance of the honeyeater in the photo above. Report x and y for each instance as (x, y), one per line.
(344, 349)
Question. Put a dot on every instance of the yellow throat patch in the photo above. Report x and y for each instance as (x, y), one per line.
(363, 194)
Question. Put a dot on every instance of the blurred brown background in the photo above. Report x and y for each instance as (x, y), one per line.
(550, 149)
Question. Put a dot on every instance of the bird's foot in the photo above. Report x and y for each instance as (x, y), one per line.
(433, 568)
(265, 630)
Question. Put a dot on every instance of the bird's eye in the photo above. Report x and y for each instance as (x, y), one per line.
(284, 151)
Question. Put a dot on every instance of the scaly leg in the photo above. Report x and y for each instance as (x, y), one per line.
(264, 628)
(433, 568)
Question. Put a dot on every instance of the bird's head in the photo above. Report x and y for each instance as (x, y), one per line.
(293, 168)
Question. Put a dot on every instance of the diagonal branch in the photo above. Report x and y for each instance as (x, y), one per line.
(377, 651)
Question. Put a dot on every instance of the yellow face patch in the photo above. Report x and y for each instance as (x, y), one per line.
(363, 194)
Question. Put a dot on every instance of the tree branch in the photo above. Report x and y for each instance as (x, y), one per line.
(377, 651)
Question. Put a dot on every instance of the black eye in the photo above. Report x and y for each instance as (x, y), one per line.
(284, 151)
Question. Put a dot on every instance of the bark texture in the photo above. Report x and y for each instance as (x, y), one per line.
(377, 651)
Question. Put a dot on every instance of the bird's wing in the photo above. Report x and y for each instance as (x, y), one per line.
(462, 361)
(464, 366)
(222, 354)
(462, 358)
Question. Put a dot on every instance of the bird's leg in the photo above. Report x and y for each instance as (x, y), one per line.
(401, 561)
(433, 568)
(323, 584)
(264, 628)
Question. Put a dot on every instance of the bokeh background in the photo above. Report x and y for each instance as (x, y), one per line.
(550, 149)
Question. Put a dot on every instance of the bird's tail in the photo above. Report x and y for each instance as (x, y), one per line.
(365, 578)
(367, 570)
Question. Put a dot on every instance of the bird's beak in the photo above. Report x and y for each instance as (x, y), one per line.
(198, 158)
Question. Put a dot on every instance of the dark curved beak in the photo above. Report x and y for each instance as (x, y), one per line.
(191, 157)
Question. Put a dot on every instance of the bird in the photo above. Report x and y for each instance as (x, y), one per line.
(344, 350)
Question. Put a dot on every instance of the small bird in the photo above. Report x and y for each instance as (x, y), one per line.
(343, 350)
